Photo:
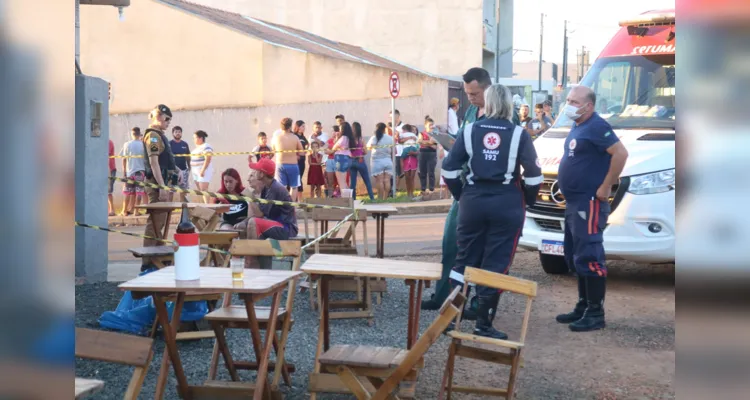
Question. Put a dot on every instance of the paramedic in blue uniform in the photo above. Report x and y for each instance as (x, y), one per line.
(492, 201)
(593, 160)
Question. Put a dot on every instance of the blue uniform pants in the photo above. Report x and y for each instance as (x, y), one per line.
(584, 226)
(489, 226)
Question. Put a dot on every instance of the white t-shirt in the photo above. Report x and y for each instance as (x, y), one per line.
(134, 148)
(452, 122)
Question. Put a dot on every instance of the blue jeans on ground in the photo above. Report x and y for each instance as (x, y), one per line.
(359, 166)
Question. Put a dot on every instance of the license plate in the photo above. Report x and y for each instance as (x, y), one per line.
(552, 247)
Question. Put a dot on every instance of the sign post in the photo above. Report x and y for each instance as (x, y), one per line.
(394, 87)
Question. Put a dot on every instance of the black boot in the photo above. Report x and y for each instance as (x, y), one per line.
(430, 304)
(471, 307)
(580, 306)
(593, 317)
(485, 316)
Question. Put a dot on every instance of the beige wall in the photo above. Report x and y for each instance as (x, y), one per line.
(442, 37)
(162, 55)
(296, 77)
(237, 129)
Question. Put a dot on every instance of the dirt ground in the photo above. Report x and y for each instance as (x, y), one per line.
(633, 358)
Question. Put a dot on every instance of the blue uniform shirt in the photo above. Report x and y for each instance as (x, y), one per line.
(585, 163)
(180, 148)
(494, 151)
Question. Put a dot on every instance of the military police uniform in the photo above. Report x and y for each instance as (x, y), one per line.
(157, 144)
(583, 169)
(491, 202)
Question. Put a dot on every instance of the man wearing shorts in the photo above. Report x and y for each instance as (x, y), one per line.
(267, 221)
(287, 167)
(133, 168)
(180, 146)
(112, 173)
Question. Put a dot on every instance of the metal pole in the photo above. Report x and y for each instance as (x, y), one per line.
(393, 149)
(541, 42)
(497, 41)
(564, 80)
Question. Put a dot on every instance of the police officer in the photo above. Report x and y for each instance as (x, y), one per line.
(160, 167)
(492, 201)
(593, 160)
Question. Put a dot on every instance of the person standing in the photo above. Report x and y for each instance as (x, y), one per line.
(200, 163)
(180, 148)
(160, 164)
(476, 81)
(524, 118)
(548, 110)
(331, 163)
(592, 162)
(318, 135)
(396, 134)
(342, 155)
(299, 131)
(261, 148)
(287, 167)
(492, 198)
(453, 117)
(133, 168)
(112, 174)
(315, 178)
(427, 157)
(358, 162)
(540, 123)
(381, 163)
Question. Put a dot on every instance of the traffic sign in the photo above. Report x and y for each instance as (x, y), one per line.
(394, 85)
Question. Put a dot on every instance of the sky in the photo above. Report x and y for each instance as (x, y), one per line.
(591, 23)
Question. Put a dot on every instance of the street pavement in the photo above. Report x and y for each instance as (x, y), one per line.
(404, 235)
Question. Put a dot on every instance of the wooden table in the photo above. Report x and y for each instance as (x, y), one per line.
(169, 207)
(87, 387)
(326, 266)
(380, 212)
(257, 285)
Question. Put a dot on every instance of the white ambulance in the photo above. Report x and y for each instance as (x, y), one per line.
(634, 82)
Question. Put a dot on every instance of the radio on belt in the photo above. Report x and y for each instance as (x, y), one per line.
(186, 258)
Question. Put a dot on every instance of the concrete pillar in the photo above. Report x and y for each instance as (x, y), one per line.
(91, 173)
(506, 38)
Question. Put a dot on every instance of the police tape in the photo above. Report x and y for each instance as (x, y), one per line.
(239, 153)
(172, 243)
(306, 206)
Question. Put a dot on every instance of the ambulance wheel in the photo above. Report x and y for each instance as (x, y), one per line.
(553, 264)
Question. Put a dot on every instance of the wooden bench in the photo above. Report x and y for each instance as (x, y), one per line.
(377, 372)
(236, 317)
(117, 348)
(460, 348)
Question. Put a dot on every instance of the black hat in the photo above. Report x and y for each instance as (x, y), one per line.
(164, 110)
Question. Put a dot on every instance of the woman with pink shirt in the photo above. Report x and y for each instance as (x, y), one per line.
(342, 156)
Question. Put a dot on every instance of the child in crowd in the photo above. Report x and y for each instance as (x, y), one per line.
(315, 177)
(262, 146)
(409, 156)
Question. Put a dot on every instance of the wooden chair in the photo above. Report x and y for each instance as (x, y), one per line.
(513, 357)
(235, 317)
(204, 219)
(385, 367)
(117, 348)
(221, 240)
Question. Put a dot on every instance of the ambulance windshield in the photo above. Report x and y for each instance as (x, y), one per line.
(633, 92)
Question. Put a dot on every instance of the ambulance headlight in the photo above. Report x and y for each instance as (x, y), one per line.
(655, 182)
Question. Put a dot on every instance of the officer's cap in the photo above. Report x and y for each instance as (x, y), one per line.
(162, 109)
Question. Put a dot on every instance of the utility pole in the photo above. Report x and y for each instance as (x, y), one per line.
(580, 69)
(497, 41)
(564, 80)
(541, 42)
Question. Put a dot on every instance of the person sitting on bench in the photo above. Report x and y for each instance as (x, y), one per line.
(267, 221)
(231, 183)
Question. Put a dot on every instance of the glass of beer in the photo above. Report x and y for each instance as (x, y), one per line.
(238, 272)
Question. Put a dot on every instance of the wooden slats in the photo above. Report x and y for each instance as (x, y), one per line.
(500, 281)
(211, 280)
(363, 356)
(152, 251)
(113, 347)
(481, 339)
(289, 248)
(321, 214)
(326, 264)
(239, 313)
(218, 238)
(483, 354)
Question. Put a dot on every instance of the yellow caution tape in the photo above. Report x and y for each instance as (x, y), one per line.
(238, 153)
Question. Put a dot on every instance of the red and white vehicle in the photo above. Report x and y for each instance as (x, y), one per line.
(634, 81)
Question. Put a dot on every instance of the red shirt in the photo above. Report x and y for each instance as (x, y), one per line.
(112, 166)
(331, 142)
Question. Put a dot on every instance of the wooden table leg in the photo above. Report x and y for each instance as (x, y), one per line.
(166, 225)
(261, 388)
(410, 319)
(378, 237)
(169, 331)
(416, 308)
(324, 310)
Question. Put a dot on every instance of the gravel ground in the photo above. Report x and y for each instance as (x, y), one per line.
(632, 359)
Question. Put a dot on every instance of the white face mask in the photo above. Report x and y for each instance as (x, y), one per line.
(571, 112)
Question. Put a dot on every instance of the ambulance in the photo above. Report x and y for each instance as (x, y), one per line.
(634, 82)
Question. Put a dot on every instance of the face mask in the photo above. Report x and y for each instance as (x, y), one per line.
(571, 112)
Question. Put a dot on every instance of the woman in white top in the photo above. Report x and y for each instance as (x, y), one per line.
(381, 164)
(200, 162)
